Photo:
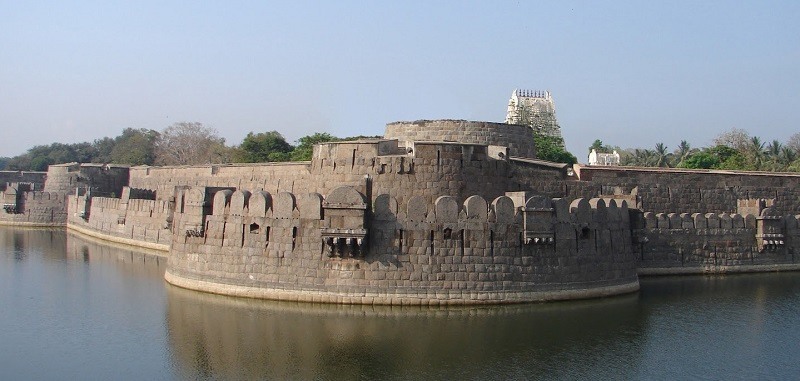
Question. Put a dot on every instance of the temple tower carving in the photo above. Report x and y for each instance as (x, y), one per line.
(535, 109)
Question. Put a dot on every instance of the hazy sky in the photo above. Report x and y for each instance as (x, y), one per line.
(630, 73)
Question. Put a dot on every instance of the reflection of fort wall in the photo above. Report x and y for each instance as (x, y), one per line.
(225, 337)
(128, 260)
(23, 242)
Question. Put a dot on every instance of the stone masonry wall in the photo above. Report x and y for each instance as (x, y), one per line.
(711, 242)
(143, 220)
(35, 178)
(696, 191)
(290, 177)
(418, 252)
(518, 138)
(34, 208)
(102, 179)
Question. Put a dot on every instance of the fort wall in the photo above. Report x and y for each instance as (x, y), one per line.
(103, 178)
(310, 248)
(135, 218)
(35, 179)
(277, 177)
(694, 191)
(406, 220)
(22, 207)
(718, 243)
(517, 138)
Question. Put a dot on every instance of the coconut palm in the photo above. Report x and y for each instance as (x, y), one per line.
(755, 149)
(662, 156)
(682, 152)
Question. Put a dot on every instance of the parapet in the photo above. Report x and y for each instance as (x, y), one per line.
(517, 138)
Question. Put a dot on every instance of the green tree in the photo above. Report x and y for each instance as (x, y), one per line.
(4, 163)
(550, 148)
(305, 148)
(264, 147)
(681, 153)
(662, 156)
(755, 152)
(103, 148)
(134, 147)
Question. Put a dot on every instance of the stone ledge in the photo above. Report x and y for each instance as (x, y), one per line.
(28, 224)
(120, 240)
(384, 297)
(699, 270)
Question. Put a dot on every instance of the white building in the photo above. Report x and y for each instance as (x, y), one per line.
(603, 159)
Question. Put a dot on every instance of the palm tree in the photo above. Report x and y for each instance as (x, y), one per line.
(774, 149)
(662, 156)
(787, 156)
(756, 151)
(682, 152)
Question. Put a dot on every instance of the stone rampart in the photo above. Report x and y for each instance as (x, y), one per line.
(712, 242)
(126, 219)
(419, 219)
(22, 207)
(306, 247)
(35, 179)
(103, 179)
(277, 177)
(694, 191)
(518, 138)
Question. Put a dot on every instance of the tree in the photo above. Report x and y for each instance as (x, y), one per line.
(304, 150)
(134, 147)
(597, 146)
(719, 157)
(4, 162)
(794, 142)
(682, 152)
(603, 148)
(264, 147)
(190, 143)
(662, 156)
(550, 148)
(755, 152)
(736, 138)
(103, 148)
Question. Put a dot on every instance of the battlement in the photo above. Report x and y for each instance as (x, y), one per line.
(518, 139)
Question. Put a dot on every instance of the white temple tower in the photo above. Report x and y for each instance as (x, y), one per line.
(535, 109)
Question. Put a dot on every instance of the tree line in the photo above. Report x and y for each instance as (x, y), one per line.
(192, 143)
(731, 150)
(184, 143)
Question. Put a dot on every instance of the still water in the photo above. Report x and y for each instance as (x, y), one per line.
(73, 309)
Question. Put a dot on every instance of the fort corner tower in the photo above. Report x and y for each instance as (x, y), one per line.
(536, 109)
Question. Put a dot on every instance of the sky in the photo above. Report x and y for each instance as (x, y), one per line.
(632, 74)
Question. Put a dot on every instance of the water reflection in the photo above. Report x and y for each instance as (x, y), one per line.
(128, 260)
(222, 337)
(24, 242)
(73, 308)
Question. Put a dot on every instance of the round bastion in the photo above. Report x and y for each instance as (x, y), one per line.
(518, 138)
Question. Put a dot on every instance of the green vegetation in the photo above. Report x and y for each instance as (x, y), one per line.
(184, 143)
(551, 149)
(731, 150)
(548, 147)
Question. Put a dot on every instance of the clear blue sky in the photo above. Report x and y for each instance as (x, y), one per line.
(630, 73)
